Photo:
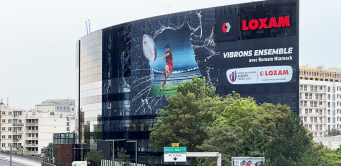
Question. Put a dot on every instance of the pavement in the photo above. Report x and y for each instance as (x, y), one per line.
(5, 162)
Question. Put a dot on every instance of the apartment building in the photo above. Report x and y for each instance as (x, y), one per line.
(320, 99)
(12, 126)
(51, 116)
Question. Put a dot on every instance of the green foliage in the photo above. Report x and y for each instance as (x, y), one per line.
(122, 157)
(195, 87)
(223, 139)
(332, 132)
(290, 142)
(95, 156)
(236, 126)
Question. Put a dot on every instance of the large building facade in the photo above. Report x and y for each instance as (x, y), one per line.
(249, 48)
(12, 127)
(320, 99)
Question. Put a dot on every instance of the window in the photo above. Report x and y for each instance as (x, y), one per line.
(328, 89)
(3, 145)
(19, 121)
(305, 87)
(328, 120)
(9, 120)
(311, 88)
(305, 119)
(9, 136)
(9, 128)
(3, 113)
(328, 96)
(3, 121)
(311, 119)
(73, 109)
(3, 129)
(9, 113)
(3, 136)
(9, 144)
(316, 127)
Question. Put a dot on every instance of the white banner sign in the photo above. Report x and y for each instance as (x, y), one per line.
(175, 157)
(260, 75)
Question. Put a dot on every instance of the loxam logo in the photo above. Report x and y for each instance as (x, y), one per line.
(274, 72)
(264, 23)
(226, 27)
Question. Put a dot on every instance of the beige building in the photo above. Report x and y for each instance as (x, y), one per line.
(12, 126)
(51, 116)
(320, 99)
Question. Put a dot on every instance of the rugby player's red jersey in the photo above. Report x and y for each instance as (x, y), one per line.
(169, 58)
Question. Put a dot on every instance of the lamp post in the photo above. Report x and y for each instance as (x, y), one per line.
(135, 150)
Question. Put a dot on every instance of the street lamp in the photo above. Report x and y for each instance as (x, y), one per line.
(135, 150)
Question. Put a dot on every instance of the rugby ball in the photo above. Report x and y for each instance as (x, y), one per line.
(149, 48)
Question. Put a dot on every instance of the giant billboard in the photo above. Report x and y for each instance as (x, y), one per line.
(125, 73)
(250, 48)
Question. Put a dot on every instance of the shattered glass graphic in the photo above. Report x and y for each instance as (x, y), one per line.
(201, 24)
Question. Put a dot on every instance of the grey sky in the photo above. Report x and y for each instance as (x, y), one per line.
(37, 39)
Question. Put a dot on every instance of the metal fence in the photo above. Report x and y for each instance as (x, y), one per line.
(20, 158)
(116, 163)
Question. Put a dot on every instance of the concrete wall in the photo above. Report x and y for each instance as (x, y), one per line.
(330, 142)
(48, 126)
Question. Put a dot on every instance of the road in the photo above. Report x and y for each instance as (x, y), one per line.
(6, 163)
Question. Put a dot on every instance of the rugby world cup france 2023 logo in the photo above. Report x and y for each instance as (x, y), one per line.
(233, 76)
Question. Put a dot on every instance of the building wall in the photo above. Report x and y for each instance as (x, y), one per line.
(330, 142)
(48, 126)
(12, 129)
(320, 100)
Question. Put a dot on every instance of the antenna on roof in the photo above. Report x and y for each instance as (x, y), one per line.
(89, 26)
(86, 25)
(168, 6)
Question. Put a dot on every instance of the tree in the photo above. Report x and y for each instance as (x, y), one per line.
(332, 132)
(223, 139)
(123, 157)
(95, 156)
(290, 142)
(182, 120)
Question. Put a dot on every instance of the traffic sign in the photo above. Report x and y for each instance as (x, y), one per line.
(175, 144)
(174, 157)
(174, 149)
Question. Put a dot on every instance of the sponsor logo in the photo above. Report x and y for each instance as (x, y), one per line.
(274, 72)
(233, 76)
(226, 27)
(260, 75)
(264, 23)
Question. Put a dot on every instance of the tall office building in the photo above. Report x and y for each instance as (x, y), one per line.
(249, 48)
(320, 99)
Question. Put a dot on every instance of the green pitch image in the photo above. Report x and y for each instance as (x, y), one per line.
(168, 90)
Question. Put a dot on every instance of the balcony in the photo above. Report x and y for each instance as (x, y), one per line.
(15, 117)
(18, 124)
(17, 132)
(31, 131)
(16, 140)
(32, 152)
(312, 114)
(31, 138)
(31, 145)
(31, 124)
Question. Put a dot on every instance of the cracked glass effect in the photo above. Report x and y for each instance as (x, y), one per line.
(199, 26)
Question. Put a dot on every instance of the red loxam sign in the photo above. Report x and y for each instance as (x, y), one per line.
(274, 72)
(261, 23)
